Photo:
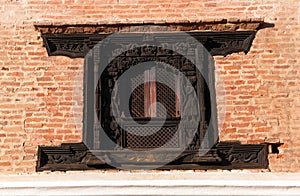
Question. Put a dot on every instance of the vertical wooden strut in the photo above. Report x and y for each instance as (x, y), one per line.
(178, 81)
(96, 97)
(89, 118)
(150, 93)
(146, 93)
(213, 132)
(201, 95)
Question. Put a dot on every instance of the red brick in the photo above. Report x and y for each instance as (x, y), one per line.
(261, 87)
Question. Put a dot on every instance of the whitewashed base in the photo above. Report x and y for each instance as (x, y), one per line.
(150, 183)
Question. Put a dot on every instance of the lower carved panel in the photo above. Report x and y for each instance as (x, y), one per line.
(224, 155)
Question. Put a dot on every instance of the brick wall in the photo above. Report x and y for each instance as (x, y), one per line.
(36, 102)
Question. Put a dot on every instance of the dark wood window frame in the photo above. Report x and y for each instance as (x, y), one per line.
(224, 155)
(123, 62)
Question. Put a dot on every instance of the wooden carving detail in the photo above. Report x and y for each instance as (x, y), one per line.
(225, 155)
(226, 43)
(247, 154)
(133, 57)
(73, 46)
(217, 43)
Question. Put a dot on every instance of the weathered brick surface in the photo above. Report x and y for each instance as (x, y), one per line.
(36, 102)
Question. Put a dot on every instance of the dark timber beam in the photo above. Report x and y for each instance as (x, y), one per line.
(225, 155)
(221, 37)
(217, 43)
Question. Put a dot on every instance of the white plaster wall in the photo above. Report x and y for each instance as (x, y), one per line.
(147, 183)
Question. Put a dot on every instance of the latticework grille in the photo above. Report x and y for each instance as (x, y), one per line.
(137, 97)
(166, 135)
(165, 94)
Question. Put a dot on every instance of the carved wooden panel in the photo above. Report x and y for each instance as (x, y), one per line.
(138, 55)
(225, 155)
(217, 43)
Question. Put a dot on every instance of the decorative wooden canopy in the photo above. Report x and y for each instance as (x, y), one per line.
(221, 37)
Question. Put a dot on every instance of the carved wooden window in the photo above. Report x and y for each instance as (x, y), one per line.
(143, 107)
(224, 155)
(143, 100)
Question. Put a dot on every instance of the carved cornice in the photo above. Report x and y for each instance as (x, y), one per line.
(78, 45)
(225, 155)
(107, 28)
(221, 37)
